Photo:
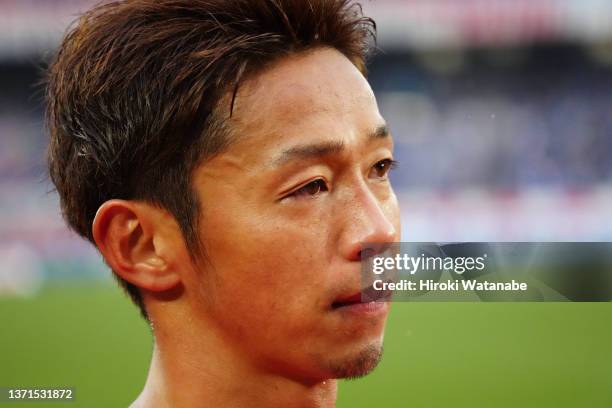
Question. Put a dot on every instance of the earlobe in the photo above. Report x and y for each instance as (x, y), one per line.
(129, 235)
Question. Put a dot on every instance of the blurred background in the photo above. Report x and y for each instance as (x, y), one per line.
(501, 113)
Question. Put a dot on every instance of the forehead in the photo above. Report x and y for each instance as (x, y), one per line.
(312, 94)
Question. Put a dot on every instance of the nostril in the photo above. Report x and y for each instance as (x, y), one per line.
(368, 252)
(371, 250)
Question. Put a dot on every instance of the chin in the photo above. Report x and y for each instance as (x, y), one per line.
(358, 364)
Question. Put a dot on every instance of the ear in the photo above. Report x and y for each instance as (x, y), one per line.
(135, 240)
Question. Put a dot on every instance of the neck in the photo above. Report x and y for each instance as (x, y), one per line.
(189, 370)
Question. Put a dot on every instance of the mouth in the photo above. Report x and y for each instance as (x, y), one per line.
(367, 296)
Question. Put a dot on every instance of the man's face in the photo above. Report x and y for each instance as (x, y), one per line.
(284, 211)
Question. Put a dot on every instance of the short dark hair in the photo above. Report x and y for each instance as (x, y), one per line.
(132, 94)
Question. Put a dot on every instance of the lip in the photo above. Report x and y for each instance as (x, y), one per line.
(365, 301)
(372, 308)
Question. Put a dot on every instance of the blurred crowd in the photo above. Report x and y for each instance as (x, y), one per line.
(542, 117)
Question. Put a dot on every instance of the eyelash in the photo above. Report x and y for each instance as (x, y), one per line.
(319, 185)
(389, 164)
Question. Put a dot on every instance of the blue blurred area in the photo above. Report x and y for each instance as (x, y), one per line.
(540, 117)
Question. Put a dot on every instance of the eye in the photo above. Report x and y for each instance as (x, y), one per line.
(311, 189)
(382, 168)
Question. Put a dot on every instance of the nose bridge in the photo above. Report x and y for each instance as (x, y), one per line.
(366, 222)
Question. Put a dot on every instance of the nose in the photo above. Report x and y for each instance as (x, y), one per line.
(368, 229)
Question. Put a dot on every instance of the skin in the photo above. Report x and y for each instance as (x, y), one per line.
(285, 210)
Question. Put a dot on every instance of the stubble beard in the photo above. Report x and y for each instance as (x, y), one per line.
(358, 365)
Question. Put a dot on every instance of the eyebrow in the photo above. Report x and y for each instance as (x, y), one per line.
(323, 149)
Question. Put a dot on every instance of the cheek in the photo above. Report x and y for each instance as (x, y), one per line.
(274, 237)
(263, 266)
